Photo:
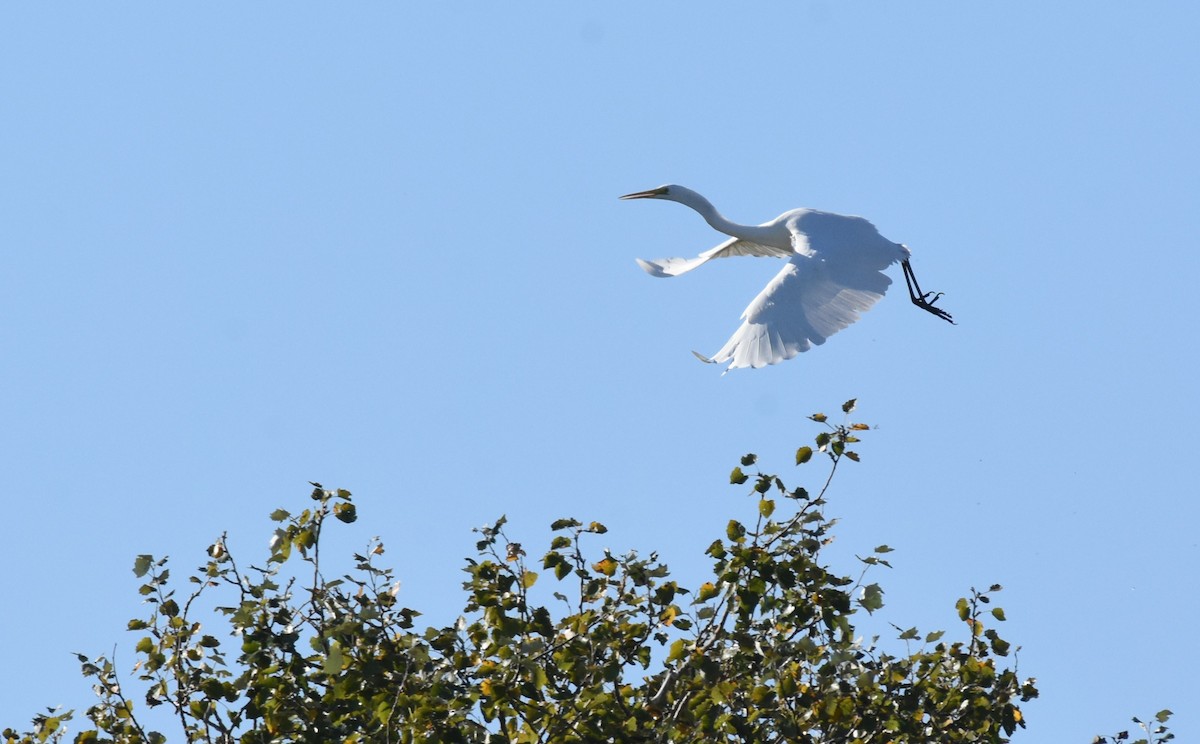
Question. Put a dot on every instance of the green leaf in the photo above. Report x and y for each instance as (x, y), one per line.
(849, 405)
(803, 455)
(707, 591)
(820, 418)
(883, 549)
(335, 659)
(766, 507)
(1163, 715)
(528, 579)
(597, 528)
(734, 530)
(737, 477)
(279, 515)
(305, 539)
(281, 545)
(540, 678)
(345, 512)
(872, 598)
(678, 648)
(998, 613)
(963, 607)
(562, 524)
(999, 645)
(213, 688)
(749, 459)
(142, 564)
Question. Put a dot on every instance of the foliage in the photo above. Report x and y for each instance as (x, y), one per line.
(1156, 731)
(569, 646)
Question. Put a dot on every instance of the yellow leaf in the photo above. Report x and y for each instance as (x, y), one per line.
(678, 649)
(608, 566)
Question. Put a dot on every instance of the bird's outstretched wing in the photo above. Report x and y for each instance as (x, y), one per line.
(807, 302)
(731, 247)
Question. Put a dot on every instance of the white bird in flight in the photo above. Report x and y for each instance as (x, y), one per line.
(834, 272)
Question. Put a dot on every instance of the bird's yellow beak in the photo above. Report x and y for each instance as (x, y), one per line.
(646, 194)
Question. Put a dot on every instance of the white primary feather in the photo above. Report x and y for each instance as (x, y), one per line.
(733, 247)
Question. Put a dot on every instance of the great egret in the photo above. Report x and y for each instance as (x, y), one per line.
(834, 272)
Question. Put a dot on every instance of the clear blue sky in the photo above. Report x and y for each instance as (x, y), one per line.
(380, 247)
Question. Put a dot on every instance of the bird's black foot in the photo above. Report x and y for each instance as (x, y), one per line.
(923, 300)
(927, 305)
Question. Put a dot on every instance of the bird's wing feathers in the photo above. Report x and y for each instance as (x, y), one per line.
(807, 302)
(732, 247)
(840, 238)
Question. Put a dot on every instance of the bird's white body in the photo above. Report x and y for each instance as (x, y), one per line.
(834, 273)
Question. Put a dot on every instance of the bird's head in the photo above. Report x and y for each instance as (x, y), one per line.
(673, 192)
(662, 192)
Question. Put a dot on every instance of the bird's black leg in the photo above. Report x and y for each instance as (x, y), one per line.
(923, 300)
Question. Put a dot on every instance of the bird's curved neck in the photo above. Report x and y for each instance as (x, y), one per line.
(704, 207)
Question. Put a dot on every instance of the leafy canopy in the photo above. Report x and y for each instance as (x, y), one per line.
(572, 645)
